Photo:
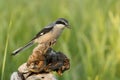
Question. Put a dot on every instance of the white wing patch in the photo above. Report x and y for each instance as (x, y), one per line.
(41, 33)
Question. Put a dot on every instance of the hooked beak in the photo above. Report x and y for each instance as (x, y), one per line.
(68, 26)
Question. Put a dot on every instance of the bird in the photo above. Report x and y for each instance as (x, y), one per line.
(49, 34)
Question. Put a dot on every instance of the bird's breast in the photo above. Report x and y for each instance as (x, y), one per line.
(50, 36)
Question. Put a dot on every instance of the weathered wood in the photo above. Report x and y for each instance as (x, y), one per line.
(45, 76)
(47, 62)
(41, 63)
(36, 61)
(15, 76)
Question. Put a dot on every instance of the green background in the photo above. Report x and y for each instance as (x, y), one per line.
(92, 45)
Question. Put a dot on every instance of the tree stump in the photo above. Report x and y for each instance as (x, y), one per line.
(43, 76)
(41, 65)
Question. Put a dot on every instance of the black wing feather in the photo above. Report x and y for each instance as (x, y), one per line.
(43, 31)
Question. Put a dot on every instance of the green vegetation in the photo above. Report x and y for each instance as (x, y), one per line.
(93, 43)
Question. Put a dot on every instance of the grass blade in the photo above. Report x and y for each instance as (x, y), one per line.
(5, 51)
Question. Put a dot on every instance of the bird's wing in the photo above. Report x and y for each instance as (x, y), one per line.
(44, 31)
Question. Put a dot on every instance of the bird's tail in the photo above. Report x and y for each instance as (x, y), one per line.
(22, 48)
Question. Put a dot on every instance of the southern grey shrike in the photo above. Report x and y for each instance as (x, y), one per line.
(48, 34)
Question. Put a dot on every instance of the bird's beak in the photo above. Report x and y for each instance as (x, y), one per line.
(68, 26)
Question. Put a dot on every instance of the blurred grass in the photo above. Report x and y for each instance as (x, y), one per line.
(5, 51)
(92, 45)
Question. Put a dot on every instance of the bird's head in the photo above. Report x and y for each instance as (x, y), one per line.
(63, 22)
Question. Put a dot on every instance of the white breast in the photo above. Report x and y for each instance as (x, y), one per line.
(58, 30)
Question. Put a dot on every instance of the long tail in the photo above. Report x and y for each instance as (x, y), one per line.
(22, 48)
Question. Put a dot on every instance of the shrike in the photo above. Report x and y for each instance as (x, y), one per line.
(48, 34)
